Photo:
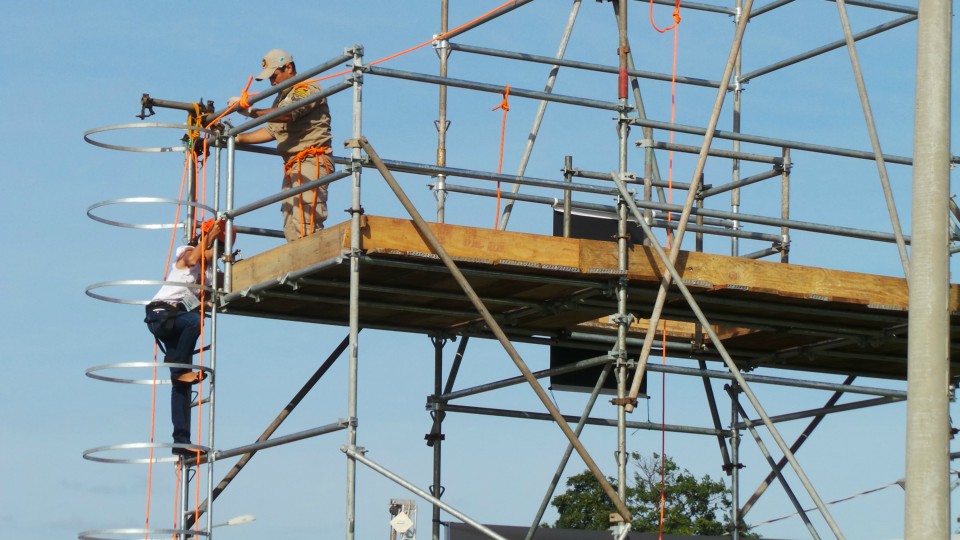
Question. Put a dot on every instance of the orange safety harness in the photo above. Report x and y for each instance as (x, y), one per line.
(321, 155)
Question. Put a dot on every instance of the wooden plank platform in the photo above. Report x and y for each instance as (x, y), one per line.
(550, 289)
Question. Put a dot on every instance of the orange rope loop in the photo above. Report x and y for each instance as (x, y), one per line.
(505, 105)
(319, 153)
(676, 18)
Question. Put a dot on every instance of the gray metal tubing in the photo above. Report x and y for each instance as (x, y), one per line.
(580, 65)
(731, 154)
(883, 6)
(312, 98)
(494, 89)
(432, 170)
(566, 453)
(731, 365)
(759, 254)
(714, 229)
(769, 7)
(587, 188)
(609, 422)
(293, 437)
(793, 448)
(656, 181)
(503, 383)
(434, 244)
(488, 17)
(825, 48)
(715, 416)
(329, 64)
(271, 429)
(828, 410)
(795, 145)
(332, 177)
(775, 173)
(874, 138)
(541, 109)
(783, 481)
(355, 455)
(695, 5)
(782, 381)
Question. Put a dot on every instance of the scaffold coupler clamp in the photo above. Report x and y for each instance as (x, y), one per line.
(729, 467)
(441, 46)
(146, 104)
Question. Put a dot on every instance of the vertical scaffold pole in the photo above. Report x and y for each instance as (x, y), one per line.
(927, 511)
(356, 211)
(735, 176)
(436, 435)
(734, 465)
(444, 52)
(785, 207)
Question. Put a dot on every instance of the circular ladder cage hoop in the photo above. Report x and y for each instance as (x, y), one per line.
(130, 282)
(144, 200)
(93, 372)
(148, 125)
(94, 454)
(134, 534)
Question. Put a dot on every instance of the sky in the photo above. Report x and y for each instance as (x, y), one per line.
(72, 67)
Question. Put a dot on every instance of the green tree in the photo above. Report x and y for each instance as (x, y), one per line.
(692, 505)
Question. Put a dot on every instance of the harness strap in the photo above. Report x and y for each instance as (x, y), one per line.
(318, 153)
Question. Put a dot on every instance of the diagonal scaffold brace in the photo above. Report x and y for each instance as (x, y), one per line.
(430, 238)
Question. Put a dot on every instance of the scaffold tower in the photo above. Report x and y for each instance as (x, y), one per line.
(611, 274)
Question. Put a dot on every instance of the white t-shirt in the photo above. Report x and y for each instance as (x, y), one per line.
(175, 293)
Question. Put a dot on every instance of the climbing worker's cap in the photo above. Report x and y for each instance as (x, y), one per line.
(272, 61)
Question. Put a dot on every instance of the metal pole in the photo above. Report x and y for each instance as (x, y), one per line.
(691, 196)
(271, 429)
(436, 435)
(783, 481)
(731, 365)
(793, 448)
(431, 240)
(874, 139)
(442, 124)
(785, 207)
(354, 455)
(735, 175)
(566, 453)
(927, 511)
(538, 119)
(354, 317)
(567, 195)
(734, 464)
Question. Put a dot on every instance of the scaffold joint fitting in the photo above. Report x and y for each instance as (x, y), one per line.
(624, 401)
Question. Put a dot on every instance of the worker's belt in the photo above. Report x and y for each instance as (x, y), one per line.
(158, 305)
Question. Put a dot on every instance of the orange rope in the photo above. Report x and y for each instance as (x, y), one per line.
(244, 93)
(505, 105)
(673, 115)
(318, 153)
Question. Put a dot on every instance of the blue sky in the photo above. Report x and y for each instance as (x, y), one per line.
(70, 67)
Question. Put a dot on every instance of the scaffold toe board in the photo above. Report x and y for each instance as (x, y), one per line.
(553, 289)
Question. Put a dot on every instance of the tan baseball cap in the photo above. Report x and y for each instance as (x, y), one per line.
(272, 61)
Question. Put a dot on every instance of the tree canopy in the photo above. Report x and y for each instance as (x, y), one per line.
(692, 506)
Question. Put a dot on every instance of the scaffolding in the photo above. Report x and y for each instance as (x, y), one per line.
(606, 299)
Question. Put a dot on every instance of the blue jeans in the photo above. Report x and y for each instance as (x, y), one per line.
(179, 343)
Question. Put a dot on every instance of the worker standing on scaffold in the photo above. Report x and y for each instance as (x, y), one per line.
(303, 140)
(174, 317)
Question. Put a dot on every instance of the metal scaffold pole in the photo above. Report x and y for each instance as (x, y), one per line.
(356, 211)
(926, 506)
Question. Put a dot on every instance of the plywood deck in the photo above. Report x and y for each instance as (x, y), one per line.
(556, 289)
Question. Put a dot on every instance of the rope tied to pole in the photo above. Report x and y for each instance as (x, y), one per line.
(505, 105)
